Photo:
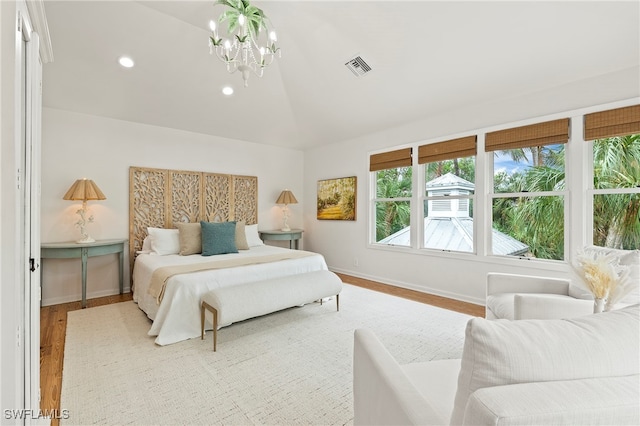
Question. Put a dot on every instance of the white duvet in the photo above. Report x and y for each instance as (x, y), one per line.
(177, 317)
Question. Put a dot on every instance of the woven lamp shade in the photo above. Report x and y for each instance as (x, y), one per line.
(83, 190)
(286, 197)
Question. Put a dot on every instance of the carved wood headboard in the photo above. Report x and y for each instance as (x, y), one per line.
(160, 198)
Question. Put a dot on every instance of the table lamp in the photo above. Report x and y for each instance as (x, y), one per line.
(84, 190)
(286, 197)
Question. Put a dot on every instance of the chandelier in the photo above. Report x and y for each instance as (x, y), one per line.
(248, 46)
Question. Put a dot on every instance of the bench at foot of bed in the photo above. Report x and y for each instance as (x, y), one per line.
(240, 302)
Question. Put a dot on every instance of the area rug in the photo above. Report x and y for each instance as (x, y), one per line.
(290, 367)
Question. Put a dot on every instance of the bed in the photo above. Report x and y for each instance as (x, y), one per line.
(177, 317)
(165, 199)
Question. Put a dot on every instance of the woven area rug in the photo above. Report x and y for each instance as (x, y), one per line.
(291, 367)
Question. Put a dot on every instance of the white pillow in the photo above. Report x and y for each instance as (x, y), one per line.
(146, 246)
(631, 259)
(504, 352)
(164, 241)
(253, 238)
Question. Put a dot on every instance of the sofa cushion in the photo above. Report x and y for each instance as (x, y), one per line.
(599, 401)
(504, 352)
(502, 304)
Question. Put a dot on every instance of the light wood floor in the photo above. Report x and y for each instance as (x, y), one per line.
(53, 326)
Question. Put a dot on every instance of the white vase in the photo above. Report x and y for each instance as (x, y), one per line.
(598, 304)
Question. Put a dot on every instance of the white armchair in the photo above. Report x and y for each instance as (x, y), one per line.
(515, 297)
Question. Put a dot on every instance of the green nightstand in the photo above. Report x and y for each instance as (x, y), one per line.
(83, 251)
(292, 236)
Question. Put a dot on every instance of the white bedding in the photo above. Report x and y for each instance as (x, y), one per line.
(177, 318)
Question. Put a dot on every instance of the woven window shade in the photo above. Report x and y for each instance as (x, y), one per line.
(390, 160)
(614, 122)
(447, 150)
(547, 133)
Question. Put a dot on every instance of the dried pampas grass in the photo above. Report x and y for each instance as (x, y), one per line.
(603, 274)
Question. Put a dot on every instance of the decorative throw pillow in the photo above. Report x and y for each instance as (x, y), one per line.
(146, 245)
(164, 241)
(190, 236)
(241, 236)
(253, 238)
(218, 238)
(503, 352)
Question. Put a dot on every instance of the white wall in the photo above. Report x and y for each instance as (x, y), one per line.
(461, 276)
(76, 146)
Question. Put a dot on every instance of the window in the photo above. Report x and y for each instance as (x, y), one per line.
(616, 176)
(447, 202)
(524, 198)
(393, 192)
(529, 190)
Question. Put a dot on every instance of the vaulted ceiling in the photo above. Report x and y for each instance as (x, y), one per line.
(427, 57)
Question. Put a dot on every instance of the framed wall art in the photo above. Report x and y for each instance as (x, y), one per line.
(337, 199)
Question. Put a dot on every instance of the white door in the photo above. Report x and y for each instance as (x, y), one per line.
(29, 213)
(32, 221)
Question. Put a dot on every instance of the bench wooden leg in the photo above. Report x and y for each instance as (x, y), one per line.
(214, 311)
(202, 321)
(215, 328)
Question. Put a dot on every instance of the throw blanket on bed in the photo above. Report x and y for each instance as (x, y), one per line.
(161, 275)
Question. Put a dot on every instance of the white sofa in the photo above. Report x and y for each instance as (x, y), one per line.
(582, 371)
(515, 297)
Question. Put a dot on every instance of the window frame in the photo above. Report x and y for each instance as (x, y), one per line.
(577, 195)
(375, 201)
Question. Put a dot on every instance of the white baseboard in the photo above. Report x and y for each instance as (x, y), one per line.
(74, 298)
(409, 286)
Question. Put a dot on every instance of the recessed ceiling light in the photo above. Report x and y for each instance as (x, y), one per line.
(227, 90)
(126, 61)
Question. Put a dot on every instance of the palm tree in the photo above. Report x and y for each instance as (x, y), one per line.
(537, 153)
(538, 221)
(617, 216)
(461, 167)
(392, 216)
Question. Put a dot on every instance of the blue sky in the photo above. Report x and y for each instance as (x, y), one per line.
(504, 163)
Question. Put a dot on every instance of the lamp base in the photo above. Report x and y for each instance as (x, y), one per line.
(85, 240)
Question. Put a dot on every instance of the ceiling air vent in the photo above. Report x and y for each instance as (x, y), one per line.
(358, 66)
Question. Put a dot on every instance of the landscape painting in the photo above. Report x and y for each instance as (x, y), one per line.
(337, 199)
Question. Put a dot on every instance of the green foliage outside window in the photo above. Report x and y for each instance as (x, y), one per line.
(392, 216)
(537, 221)
(616, 217)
